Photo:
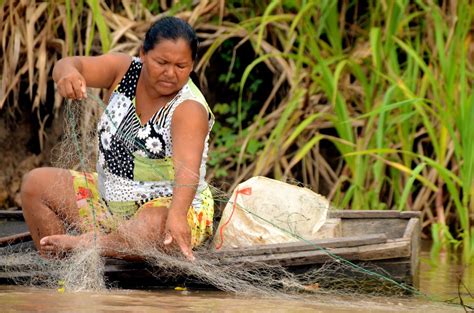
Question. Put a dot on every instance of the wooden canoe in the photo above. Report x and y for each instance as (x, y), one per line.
(386, 242)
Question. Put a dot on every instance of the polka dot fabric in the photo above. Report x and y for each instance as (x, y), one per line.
(128, 85)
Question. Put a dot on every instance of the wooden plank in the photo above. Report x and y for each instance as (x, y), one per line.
(411, 228)
(146, 277)
(20, 265)
(413, 234)
(7, 277)
(10, 214)
(13, 239)
(410, 214)
(396, 269)
(12, 227)
(364, 214)
(373, 214)
(330, 229)
(126, 267)
(303, 245)
(395, 249)
(391, 227)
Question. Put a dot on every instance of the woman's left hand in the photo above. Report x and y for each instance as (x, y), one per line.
(177, 230)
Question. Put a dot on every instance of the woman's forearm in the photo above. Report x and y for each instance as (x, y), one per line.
(66, 66)
(184, 190)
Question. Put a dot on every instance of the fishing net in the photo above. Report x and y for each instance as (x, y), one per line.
(215, 265)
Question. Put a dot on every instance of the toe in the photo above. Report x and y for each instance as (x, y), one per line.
(44, 241)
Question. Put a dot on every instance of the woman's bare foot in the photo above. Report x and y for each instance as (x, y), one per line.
(59, 245)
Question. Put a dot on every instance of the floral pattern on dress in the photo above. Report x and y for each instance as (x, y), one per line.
(154, 145)
(106, 139)
(144, 132)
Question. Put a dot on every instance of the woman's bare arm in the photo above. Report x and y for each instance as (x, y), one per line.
(189, 131)
(73, 74)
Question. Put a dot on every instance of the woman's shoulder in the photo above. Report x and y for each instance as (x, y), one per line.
(119, 57)
(197, 95)
(122, 61)
(190, 104)
(120, 64)
(191, 92)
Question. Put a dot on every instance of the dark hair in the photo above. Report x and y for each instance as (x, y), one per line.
(170, 28)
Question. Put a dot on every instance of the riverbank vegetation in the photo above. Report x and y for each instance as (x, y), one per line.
(366, 102)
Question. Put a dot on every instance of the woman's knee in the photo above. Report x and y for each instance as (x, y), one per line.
(31, 184)
(40, 182)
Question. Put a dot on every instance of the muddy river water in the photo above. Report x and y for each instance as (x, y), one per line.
(439, 283)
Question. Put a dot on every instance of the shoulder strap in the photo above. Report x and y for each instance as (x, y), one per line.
(200, 97)
(128, 84)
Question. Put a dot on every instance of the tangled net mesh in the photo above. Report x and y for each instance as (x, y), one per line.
(85, 269)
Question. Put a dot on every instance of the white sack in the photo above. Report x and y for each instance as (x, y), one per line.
(268, 211)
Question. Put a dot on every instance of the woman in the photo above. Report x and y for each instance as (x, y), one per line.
(153, 141)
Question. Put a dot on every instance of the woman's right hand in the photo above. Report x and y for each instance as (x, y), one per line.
(72, 86)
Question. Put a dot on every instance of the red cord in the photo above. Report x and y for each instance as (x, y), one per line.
(246, 191)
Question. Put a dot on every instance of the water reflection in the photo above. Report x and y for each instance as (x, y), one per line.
(22, 299)
(445, 277)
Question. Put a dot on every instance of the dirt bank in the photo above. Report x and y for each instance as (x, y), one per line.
(21, 150)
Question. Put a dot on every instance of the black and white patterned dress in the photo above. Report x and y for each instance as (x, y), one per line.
(135, 164)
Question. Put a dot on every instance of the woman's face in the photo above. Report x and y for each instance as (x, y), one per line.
(168, 65)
